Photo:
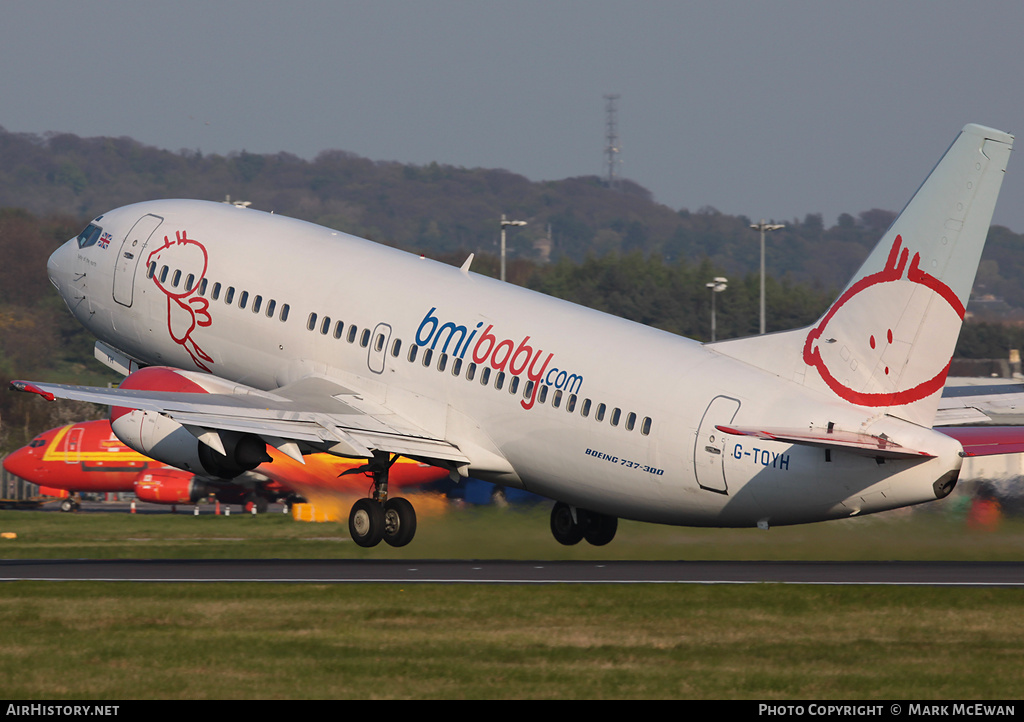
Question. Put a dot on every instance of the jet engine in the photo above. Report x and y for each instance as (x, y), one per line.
(170, 488)
(161, 438)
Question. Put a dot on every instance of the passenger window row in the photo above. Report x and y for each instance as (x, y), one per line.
(269, 309)
(325, 324)
(485, 374)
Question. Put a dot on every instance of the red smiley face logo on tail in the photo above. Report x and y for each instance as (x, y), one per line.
(883, 343)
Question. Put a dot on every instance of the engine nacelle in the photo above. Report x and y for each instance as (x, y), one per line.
(161, 438)
(244, 453)
(166, 488)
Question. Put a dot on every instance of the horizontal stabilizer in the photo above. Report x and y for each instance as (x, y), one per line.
(864, 444)
(988, 440)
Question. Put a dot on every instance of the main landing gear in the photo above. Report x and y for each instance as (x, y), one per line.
(570, 525)
(71, 503)
(380, 518)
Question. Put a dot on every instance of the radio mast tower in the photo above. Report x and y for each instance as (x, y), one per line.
(611, 149)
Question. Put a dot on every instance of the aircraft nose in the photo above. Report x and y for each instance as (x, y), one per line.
(22, 464)
(58, 267)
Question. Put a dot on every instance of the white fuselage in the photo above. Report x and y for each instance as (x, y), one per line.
(619, 418)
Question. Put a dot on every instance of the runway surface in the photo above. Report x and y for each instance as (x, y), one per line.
(1003, 574)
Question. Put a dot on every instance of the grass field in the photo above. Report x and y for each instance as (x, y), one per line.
(117, 641)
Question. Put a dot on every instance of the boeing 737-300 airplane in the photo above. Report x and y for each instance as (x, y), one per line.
(249, 329)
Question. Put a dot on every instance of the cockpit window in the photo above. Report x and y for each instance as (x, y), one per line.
(36, 443)
(89, 236)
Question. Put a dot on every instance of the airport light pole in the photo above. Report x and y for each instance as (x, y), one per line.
(762, 227)
(717, 286)
(505, 223)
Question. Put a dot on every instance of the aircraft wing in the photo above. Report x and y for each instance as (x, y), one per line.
(864, 444)
(315, 411)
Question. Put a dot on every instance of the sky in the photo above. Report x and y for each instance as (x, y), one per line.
(770, 109)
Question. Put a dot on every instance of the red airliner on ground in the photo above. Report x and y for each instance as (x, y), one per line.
(87, 457)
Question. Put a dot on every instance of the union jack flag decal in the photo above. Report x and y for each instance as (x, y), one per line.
(104, 240)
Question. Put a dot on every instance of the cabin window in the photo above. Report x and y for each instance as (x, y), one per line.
(645, 427)
(202, 287)
(151, 271)
(311, 323)
(427, 355)
(412, 352)
(457, 367)
(271, 306)
(528, 391)
(256, 303)
(570, 404)
(190, 281)
(615, 417)
(364, 340)
(396, 347)
(352, 331)
(600, 412)
(216, 291)
(284, 312)
(630, 421)
(513, 385)
(163, 274)
(230, 295)
(585, 409)
(339, 330)
(378, 344)
(542, 393)
(89, 236)
(442, 362)
(471, 371)
(499, 381)
(243, 299)
(325, 325)
(556, 400)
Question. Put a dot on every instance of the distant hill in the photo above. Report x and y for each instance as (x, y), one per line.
(439, 209)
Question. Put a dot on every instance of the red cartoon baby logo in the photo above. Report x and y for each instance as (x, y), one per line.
(185, 309)
(864, 347)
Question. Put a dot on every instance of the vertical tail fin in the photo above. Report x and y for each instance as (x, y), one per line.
(888, 339)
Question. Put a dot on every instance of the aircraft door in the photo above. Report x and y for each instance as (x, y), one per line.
(709, 448)
(379, 347)
(128, 258)
(73, 445)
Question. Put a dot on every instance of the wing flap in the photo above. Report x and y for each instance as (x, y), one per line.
(857, 443)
